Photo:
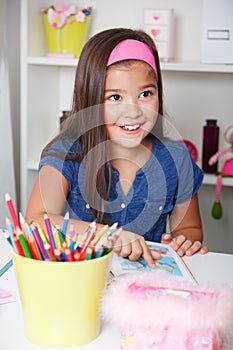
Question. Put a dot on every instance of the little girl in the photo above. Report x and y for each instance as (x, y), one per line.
(110, 161)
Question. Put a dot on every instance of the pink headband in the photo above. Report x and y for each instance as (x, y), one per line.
(132, 49)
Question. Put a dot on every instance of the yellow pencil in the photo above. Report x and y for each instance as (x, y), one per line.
(57, 238)
(42, 233)
(99, 234)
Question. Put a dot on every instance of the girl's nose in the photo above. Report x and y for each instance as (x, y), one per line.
(132, 110)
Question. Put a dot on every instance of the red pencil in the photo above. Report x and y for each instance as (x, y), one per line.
(87, 241)
(18, 245)
(12, 211)
(69, 255)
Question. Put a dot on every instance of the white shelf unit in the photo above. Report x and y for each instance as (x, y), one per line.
(47, 85)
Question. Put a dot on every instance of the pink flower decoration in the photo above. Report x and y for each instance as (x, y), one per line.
(56, 19)
(80, 17)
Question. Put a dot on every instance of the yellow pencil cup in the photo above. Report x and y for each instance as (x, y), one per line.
(69, 39)
(60, 300)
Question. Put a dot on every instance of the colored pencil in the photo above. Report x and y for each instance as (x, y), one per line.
(9, 226)
(22, 222)
(104, 239)
(112, 229)
(99, 252)
(18, 245)
(41, 232)
(88, 253)
(39, 242)
(58, 254)
(6, 267)
(33, 248)
(71, 234)
(69, 255)
(99, 234)
(10, 230)
(57, 238)
(24, 245)
(31, 238)
(62, 237)
(76, 256)
(112, 239)
(49, 231)
(89, 238)
(49, 251)
(12, 211)
(65, 223)
(8, 237)
(72, 245)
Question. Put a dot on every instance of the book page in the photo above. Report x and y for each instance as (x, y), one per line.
(169, 261)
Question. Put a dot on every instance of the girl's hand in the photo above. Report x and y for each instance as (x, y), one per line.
(134, 246)
(183, 245)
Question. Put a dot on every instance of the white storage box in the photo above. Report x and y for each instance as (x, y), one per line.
(217, 31)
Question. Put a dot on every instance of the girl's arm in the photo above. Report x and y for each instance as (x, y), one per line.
(186, 229)
(49, 196)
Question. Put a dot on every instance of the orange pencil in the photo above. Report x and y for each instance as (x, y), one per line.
(50, 252)
(33, 248)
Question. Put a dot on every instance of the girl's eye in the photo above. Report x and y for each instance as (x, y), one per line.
(146, 93)
(114, 98)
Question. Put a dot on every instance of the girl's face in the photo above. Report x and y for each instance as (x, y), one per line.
(130, 103)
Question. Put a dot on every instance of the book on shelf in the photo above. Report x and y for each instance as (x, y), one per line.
(169, 261)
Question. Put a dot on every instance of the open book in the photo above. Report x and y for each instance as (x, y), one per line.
(169, 261)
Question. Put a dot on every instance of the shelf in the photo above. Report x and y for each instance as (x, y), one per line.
(195, 66)
(185, 66)
(210, 179)
(47, 61)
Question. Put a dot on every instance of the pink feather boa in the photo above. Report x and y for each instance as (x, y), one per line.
(152, 303)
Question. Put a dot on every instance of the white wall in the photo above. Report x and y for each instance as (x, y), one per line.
(9, 104)
(185, 101)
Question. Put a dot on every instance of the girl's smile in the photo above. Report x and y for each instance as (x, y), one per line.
(131, 103)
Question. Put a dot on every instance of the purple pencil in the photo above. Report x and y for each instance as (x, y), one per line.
(49, 231)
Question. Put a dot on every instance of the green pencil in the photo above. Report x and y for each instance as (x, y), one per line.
(24, 245)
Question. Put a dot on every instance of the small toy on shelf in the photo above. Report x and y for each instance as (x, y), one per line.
(191, 148)
(226, 171)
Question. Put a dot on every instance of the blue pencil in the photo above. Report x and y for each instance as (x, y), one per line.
(6, 267)
(10, 229)
(65, 223)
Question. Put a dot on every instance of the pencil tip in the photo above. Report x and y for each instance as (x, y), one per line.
(67, 215)
(7, 196)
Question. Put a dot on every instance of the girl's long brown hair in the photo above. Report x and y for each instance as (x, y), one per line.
(86, 123)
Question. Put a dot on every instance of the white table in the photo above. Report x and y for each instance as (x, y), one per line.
(214, 268)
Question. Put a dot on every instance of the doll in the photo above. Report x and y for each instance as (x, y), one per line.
(226, 171)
